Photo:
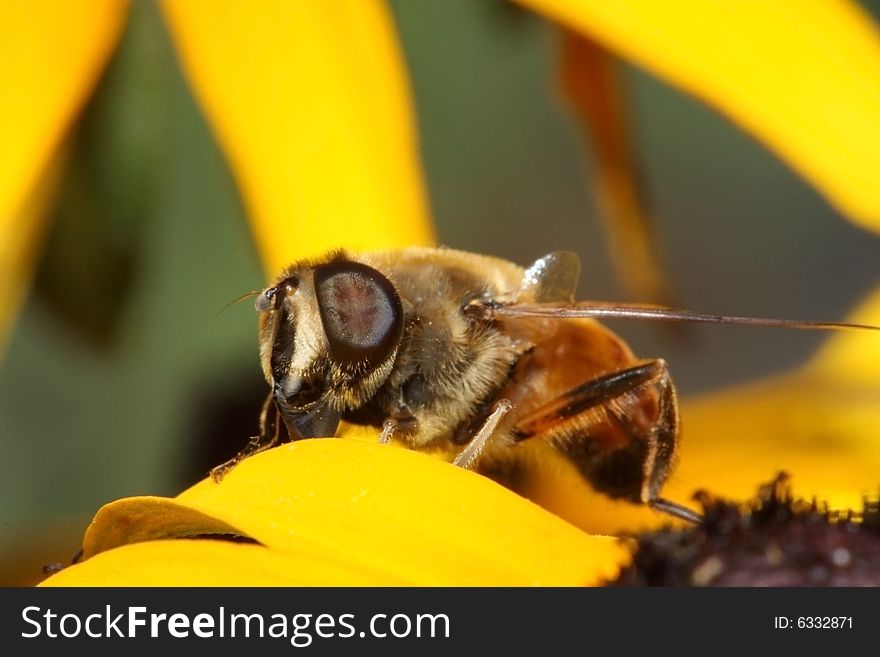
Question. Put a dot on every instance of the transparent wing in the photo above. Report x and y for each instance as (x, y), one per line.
(553, 278)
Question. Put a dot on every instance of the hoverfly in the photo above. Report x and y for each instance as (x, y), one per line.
(494, 366)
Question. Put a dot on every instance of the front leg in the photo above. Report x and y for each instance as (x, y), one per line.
(469, 456)
(268, 437)
(401, 425)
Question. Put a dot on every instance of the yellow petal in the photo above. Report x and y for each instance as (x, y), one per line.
(215, 563)
(404, 512)
(823, 435)
(138, 519)
(310, 102)
(803, 77)
(51, 53)
(561, 489)
(379, 508)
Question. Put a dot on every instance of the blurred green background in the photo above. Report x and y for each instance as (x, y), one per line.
(121, 377)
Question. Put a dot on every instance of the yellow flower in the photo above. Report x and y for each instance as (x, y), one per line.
(310, 104)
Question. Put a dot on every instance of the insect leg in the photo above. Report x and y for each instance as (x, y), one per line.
(388, 428)
(591, 394)
(620, 430)
(268, 437)
(676, 510)
(468, 457)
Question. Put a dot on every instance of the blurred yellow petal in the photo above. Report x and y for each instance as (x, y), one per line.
(365, 508)
(51, 53)
(823, 435)
(563, 491)
(310, 102)
(819, 424)
(803, 77)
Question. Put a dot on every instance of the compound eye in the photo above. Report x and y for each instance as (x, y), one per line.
(360, 310)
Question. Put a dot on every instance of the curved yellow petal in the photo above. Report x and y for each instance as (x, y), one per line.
(403, 512)
(216, 563)
(148, 518)
(51, 53)
(382, 508)
(803, 77)
(310, 102)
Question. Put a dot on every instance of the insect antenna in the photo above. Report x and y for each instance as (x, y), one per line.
(614, 310)
(246, 295)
